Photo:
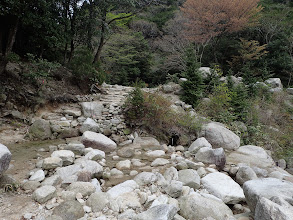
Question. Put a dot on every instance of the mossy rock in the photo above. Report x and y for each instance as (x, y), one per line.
(40, 130)
(127, 131)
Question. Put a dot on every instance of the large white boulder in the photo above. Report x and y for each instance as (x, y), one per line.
(95, 154)
(220, 136)
(252, 156)
(155, 153)
(98, 141)
(254, 190)
(5, 158)
(197, 207)
(223, 187)
(92, 109)
(68, 174)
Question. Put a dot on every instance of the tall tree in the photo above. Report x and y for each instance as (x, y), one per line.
(210, 18)
(113, 6)
(10, 14)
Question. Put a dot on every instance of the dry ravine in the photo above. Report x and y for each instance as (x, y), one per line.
(101, 171)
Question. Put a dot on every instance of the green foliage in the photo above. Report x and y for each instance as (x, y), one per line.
(39, 68)
(133, 106)
(120, 22)
(162, 15)
(193, 87)
(83, 68)
(13, 57)
(127, 58)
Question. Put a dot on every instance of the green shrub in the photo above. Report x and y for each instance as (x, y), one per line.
(153, 112)
(39, 68)
(133, 106)
(13, 57)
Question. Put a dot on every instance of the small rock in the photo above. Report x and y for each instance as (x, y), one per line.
(95, 155)
(155, 153)
(244, 174)
(85, 188)
(145, 178)
(125, 164)
(52, 163)
(159, 162)
(67, 156)
(44, 193)
(197, 144)
(38, 176)
(174, 189)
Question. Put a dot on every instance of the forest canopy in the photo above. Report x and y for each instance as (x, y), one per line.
(121, 41)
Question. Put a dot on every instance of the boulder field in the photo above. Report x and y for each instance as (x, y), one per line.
(107, 172)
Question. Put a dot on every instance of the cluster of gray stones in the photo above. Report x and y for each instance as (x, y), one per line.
(213, 179)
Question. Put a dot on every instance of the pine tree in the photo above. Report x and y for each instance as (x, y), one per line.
(193, 87)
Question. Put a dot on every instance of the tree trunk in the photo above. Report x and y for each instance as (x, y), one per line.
(97, 58)
(72, 47)
(65, 54)
(1, 43)
(11, 36)
(90, 26)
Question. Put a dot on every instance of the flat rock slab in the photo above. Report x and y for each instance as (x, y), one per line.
(223, 187)
(147, 143)
(125, 187)
(98, 141)
(5, 158)
(267, 188)
(252, 156)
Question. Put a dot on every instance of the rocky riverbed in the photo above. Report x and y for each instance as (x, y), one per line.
(104, 172)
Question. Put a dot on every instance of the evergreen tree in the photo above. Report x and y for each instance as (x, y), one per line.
(193, 87)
